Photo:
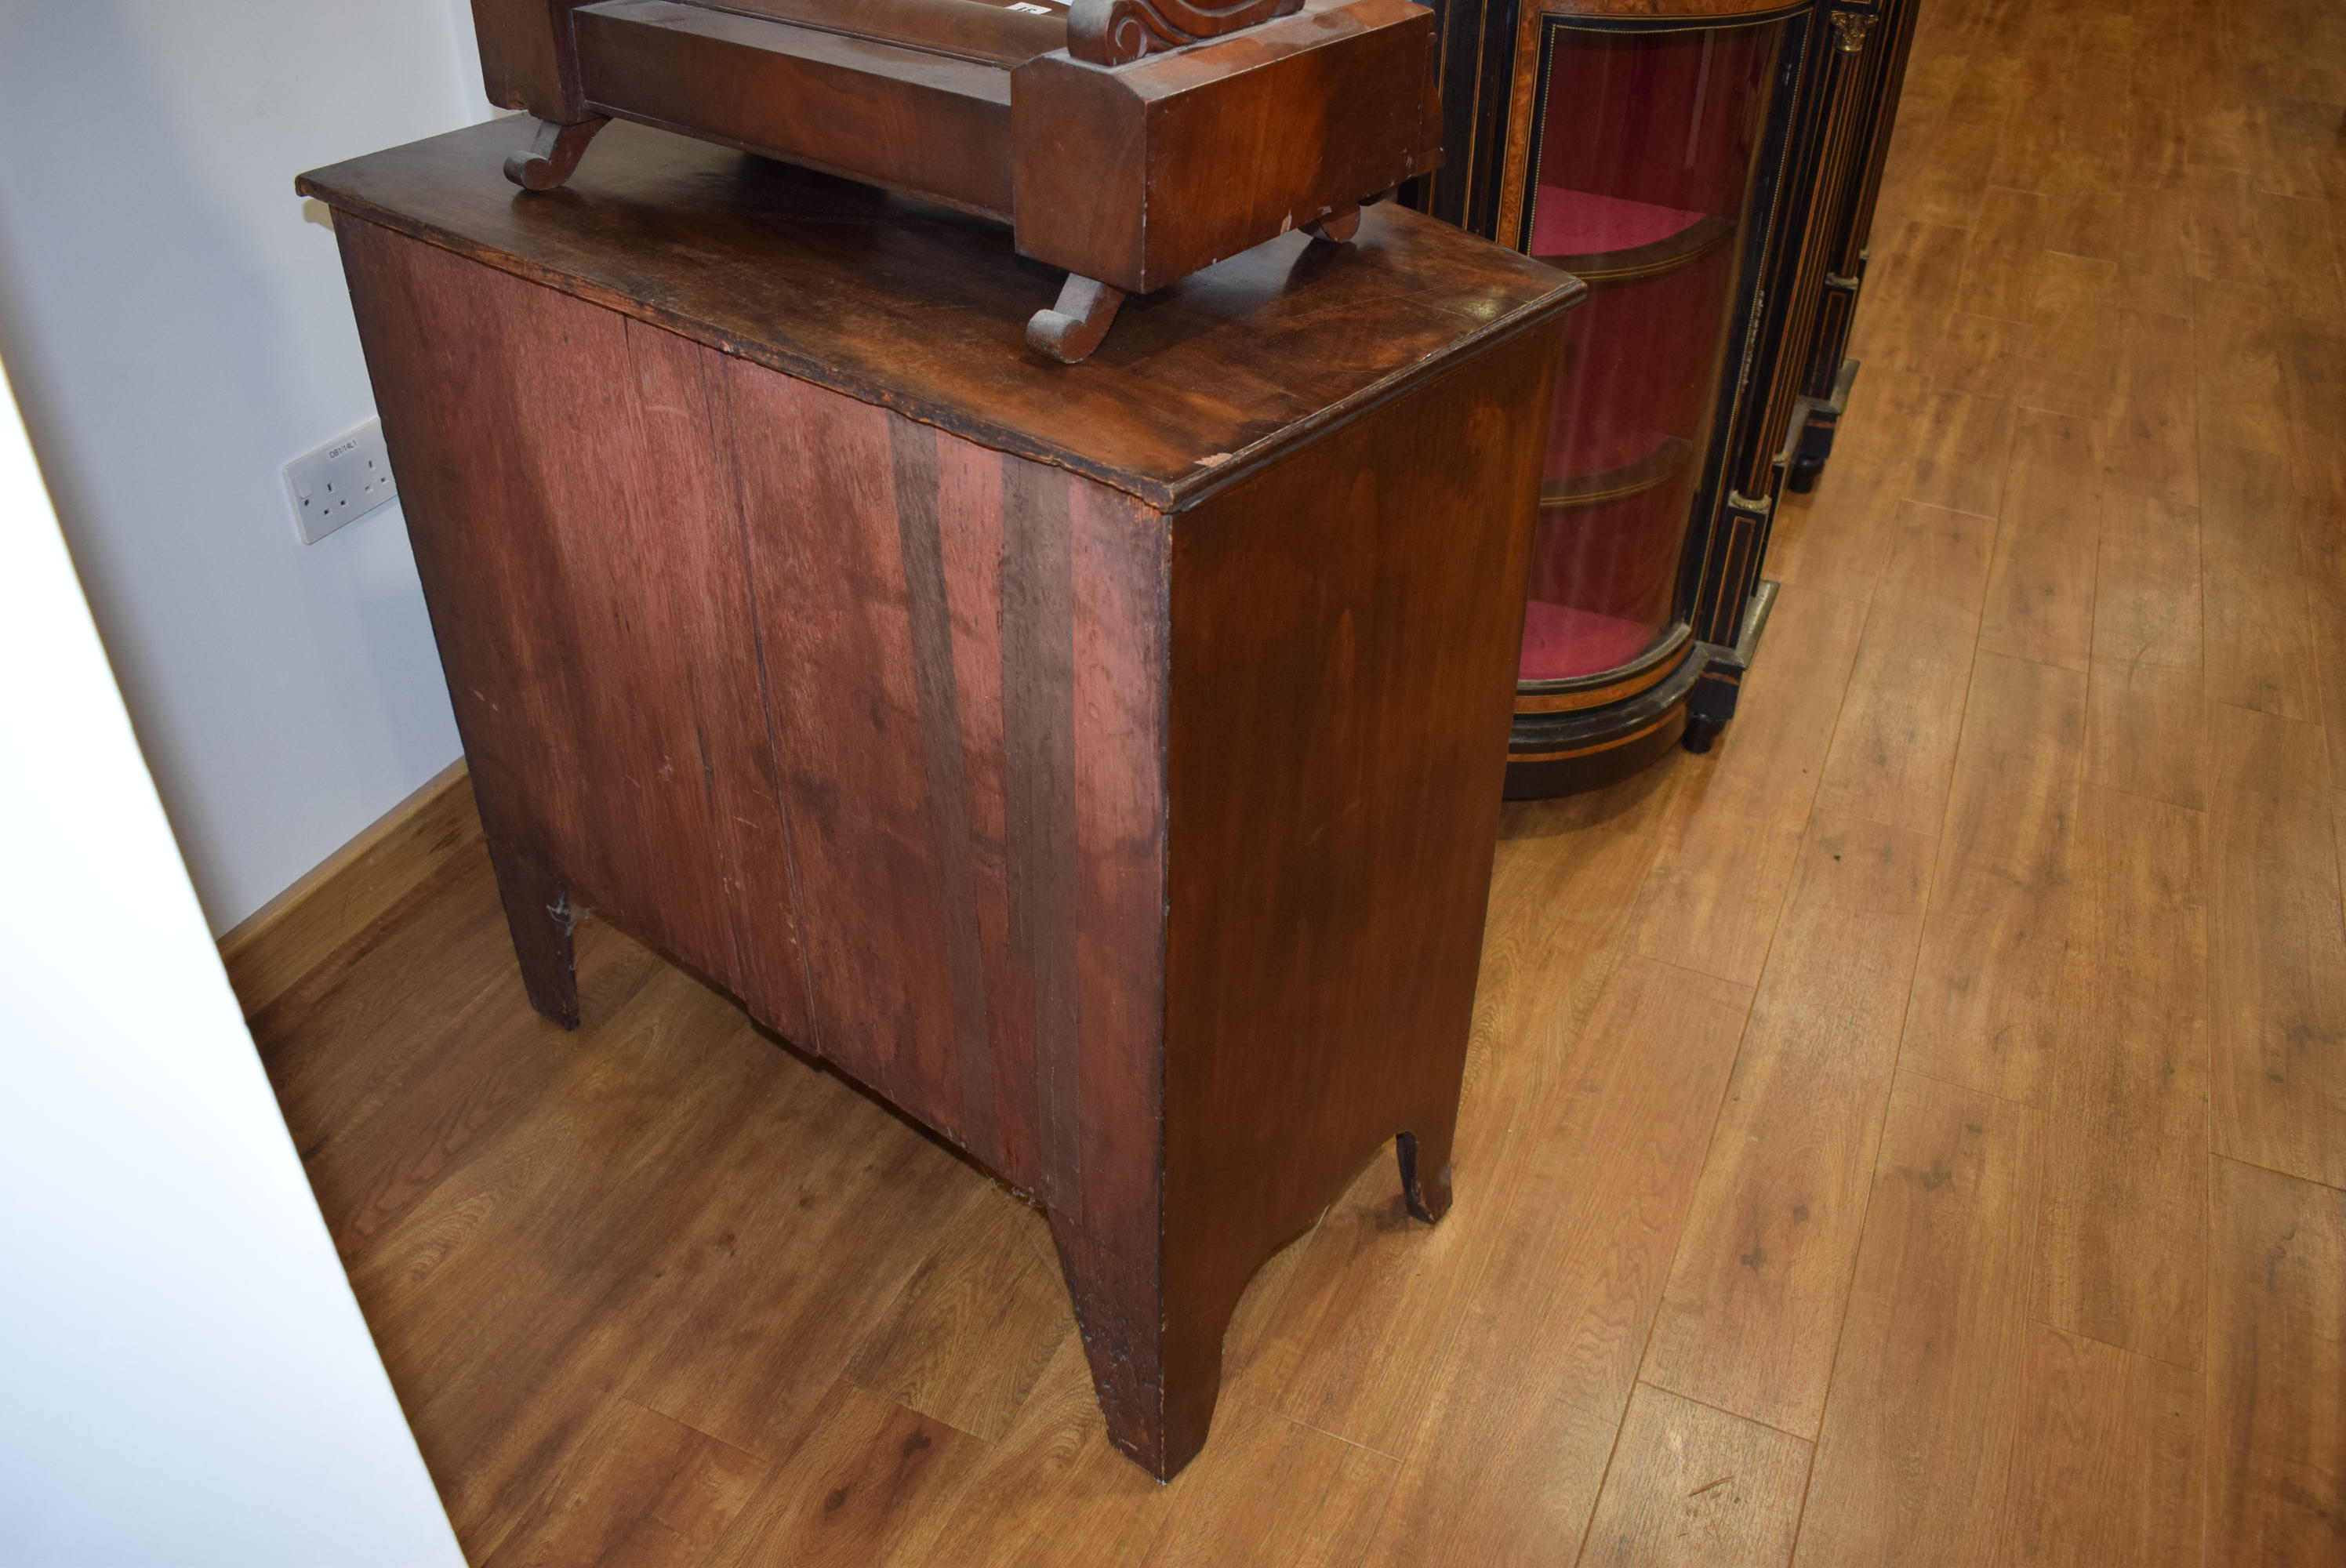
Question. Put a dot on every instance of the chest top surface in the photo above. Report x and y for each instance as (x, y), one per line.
(923, 309)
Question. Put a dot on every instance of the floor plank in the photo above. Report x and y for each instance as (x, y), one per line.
(2146, 599)
(2238, 370)
(2277, 1369)
(2321, 538)
(864, 1485)
(1729, 846)
(2121, 1244)
(1894, 748)
(1927, 1379)
(2147, 731)
(2300, 248)
(1835, 539)
(1753, 1308)
(1054, 1494)
(1524, 1407)
(2001, 265)
(1912, 280)
(2107, 1461)
(2040, 595)
(1960, 452)
(974, 1326)
(2153, 430)
(2259, 633)
(1938, 565)
(1691, 1487)
(2077, 339)
(1989, 1008)
(2277, 948)
(644, 1490)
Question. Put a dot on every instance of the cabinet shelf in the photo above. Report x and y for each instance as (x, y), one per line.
(1563, 642)
(1658, 466)
(1613, 239)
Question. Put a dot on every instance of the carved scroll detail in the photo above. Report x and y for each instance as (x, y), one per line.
(553, 155)
(1117, 31)
(1070, 330)
(1852, 27)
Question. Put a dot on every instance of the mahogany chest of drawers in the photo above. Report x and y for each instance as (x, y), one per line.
(1100, 763)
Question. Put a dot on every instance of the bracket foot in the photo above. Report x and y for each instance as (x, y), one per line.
(1338, 227)
(1072, 329)
(554, 156)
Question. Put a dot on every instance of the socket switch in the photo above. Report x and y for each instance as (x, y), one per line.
(340, 483)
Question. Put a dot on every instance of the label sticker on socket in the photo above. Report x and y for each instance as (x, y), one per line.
(340, 483)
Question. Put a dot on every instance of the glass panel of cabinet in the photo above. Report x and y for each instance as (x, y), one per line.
(1710, 175)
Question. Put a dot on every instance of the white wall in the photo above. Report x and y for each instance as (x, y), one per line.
(186, 1378)
(176, 328)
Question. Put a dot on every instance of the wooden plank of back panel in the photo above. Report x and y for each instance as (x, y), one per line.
(852, 735)
(568, 628)
(971, 487)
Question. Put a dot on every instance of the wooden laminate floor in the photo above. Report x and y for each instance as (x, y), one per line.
(1913, 1134)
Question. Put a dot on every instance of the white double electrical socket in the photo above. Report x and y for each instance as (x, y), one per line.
(340, 483)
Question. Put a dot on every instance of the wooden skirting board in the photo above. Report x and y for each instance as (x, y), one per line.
(354, 887)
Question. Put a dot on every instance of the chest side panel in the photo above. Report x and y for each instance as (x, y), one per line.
(1345, 635)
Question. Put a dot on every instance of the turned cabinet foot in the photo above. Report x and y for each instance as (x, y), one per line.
(552, 158)
(538, 913)
(1073, 328)
(1809, 457)
(1338, 227)
(1425, 1174)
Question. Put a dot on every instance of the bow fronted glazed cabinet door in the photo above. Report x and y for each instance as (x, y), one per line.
(1708, 168)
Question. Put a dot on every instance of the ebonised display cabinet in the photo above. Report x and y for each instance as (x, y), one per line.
(1708, 168)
